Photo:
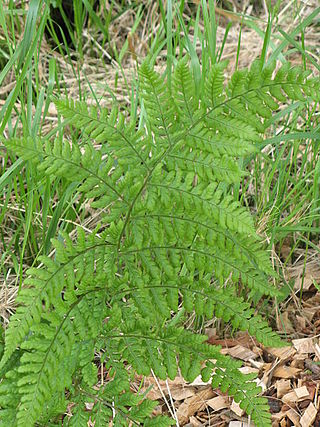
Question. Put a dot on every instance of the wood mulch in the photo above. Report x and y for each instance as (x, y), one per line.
(289, 376)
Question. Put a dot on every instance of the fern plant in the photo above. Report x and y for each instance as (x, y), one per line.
(171, 236)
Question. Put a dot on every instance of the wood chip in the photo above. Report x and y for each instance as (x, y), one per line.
(248, 370)
(284, 353)
(298, 361)
(218, 403)
(235, 407)
(283, 423)
(240, 352)
(238, 424)
(194, 422)
(304, 345)
(301, 323)
(256, 364)
(283, 387)
(309, 416)
(302, 393)
(183, 393)
(294, 417)
(194, 404)
(284, 324)
(198, 382)
(313, 367)
(317, 351)
(278, 416)
(290, 397)
(285, 372)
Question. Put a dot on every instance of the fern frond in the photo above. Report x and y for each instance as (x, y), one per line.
(173, 236)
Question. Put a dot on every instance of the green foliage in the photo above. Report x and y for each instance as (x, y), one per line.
(172, 236)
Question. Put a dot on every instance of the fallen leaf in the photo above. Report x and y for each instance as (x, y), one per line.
(194, 422)
(305, 276)
(199, 381)
(278, 417)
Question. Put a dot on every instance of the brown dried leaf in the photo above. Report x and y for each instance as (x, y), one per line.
(194, 422)
(199, 382)
(278, 417)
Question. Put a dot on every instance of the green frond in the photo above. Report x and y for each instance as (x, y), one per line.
(184, 91)
(159, 106)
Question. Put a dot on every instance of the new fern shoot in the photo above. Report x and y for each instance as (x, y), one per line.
(172, 236)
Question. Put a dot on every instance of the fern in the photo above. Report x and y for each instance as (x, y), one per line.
(173, 236)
